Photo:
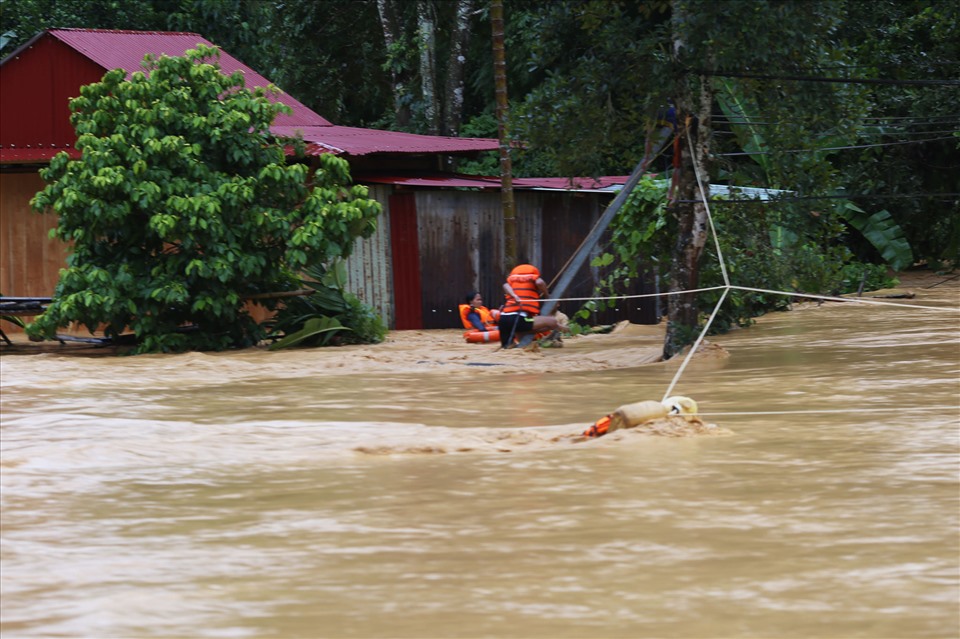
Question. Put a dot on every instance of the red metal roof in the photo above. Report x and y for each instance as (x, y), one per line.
(610, 183)
(125, 50)
(36, 89)
(348, 140)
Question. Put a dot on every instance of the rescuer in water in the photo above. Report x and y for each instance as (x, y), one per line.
(520, 313)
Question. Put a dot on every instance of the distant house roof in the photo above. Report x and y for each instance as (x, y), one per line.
(38, 79)
(355, 141)
(608, 184)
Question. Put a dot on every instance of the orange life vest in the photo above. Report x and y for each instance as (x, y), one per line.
(487, 317)
(599, 429)
(523, 280)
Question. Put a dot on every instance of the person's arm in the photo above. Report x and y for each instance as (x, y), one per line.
(474, 318)
(542, 287)
(509, 292)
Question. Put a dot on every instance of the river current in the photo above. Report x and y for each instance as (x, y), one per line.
(231, 495)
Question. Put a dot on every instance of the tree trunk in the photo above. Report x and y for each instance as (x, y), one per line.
(427, 46)
(398, 71)
(453, 94)
(694, 124)
(503, 131)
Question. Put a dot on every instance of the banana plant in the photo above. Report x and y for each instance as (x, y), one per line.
(880, 229)
(316, 329)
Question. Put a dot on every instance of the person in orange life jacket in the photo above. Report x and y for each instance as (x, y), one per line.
(520, 314)
(475, 315)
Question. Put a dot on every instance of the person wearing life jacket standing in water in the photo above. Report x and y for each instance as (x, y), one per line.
(520, 314)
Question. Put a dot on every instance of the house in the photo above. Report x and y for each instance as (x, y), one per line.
(439, 237)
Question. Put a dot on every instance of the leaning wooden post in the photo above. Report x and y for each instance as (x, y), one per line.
(594, 236)
(503, 134)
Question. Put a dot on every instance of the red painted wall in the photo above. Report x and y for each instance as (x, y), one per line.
(404, 244)
(35, 95)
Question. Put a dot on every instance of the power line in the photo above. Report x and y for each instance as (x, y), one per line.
(889, 134)
(867, 126)
(849, 196)
(810, 78)
(837, 148)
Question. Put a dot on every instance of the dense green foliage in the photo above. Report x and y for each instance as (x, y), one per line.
(640, 236)
(848, 105)
(183, 206)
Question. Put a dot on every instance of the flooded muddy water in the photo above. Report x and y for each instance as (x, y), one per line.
(428, 488)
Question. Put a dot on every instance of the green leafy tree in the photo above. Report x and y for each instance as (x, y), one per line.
(616, 64)
(183, 206)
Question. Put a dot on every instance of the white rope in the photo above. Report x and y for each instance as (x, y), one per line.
(726, 289)
(697, 343)
(703, 196)
(813, 296)
(630, 297)
(858, 300)
(921, 409)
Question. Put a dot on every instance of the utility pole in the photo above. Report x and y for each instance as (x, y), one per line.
(503, 134)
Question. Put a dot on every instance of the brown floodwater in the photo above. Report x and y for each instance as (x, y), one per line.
(423, 488)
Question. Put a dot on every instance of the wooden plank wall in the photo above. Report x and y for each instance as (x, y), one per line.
(30, 261)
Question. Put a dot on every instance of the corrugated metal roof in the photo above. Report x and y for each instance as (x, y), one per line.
(355, 141)
(113, 49)
(125, 50)
(606, 183)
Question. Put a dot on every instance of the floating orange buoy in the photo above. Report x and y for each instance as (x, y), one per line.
(481, 337)
(630, 415)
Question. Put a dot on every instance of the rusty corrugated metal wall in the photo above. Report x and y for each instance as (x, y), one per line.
(461, 247)
(369, 275)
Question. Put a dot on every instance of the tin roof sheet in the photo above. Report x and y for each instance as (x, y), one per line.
(125, 50)
(348, 140)
(606, 183)
(611, 183)
(114, 49)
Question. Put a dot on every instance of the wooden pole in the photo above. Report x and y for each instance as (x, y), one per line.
(503, 134)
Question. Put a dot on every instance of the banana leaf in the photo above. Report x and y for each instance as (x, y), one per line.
(739, 112)
(883, 232)
(313, 327)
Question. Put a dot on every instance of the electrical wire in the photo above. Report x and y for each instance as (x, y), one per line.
(849, 196)
(838, 148)
(811, 78)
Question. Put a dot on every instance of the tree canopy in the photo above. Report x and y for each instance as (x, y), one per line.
(847, 105)
(183, 206)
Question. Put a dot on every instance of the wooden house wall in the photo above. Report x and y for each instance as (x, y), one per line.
(30, 261)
